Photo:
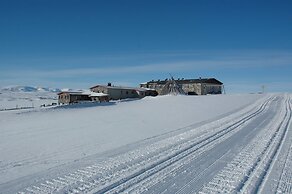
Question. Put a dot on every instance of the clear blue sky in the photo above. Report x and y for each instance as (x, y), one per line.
(79, 43)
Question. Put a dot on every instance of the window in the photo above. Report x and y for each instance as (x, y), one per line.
(127, 92)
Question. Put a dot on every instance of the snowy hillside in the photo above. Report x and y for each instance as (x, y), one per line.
(28, 89)
(19, 89)
(166, 144)
(26, 97)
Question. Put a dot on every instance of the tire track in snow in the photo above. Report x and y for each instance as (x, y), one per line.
(197, 166)
(182, 153)
(260, 173)
(285, 183)
(279, 176)
(121, 174)
(247, 171)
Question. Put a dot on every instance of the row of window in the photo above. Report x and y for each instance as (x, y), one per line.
(100, 91)
(127, 92)
(63, 97)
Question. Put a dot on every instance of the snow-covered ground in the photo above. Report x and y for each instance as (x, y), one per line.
(17, 99)
(162, 144)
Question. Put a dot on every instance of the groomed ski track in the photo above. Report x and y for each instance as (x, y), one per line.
(248, 151)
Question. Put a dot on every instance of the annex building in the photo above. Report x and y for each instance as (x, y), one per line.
(120, 92)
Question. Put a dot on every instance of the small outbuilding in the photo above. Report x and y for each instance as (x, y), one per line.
(81, 96)
(69, 97)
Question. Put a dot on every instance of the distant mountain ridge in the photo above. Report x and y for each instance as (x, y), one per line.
(29, 89)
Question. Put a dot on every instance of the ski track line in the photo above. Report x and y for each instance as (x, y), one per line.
(158, 166)
(169, 171)
(146, 184)
(284, 184)
(113, 172)
(178, 157)
(247, 171)
(278, 166)
(258, 177)
(157, 178)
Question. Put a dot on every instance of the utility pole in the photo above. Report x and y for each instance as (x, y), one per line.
(263, 88)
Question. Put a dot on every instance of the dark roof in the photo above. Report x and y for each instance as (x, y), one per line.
(73, 93)
(119, 87)
(185, 81)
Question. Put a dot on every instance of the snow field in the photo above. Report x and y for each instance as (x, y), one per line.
(155, 145)
(39, 140)
(12, 100)
(120, 173)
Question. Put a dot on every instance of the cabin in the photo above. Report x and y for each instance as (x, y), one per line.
(72, 97)
(201, 86)
(120, 92)
(80, 96)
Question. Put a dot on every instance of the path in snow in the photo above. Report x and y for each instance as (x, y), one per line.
(246, 172)
(279, 176)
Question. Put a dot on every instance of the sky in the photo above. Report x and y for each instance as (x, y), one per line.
(80, 43)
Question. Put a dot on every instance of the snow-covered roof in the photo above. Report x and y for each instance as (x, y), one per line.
(186, 81)
(87, 92)
(148, 89)
(95, 94)
(72, 92)
(120, 87)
